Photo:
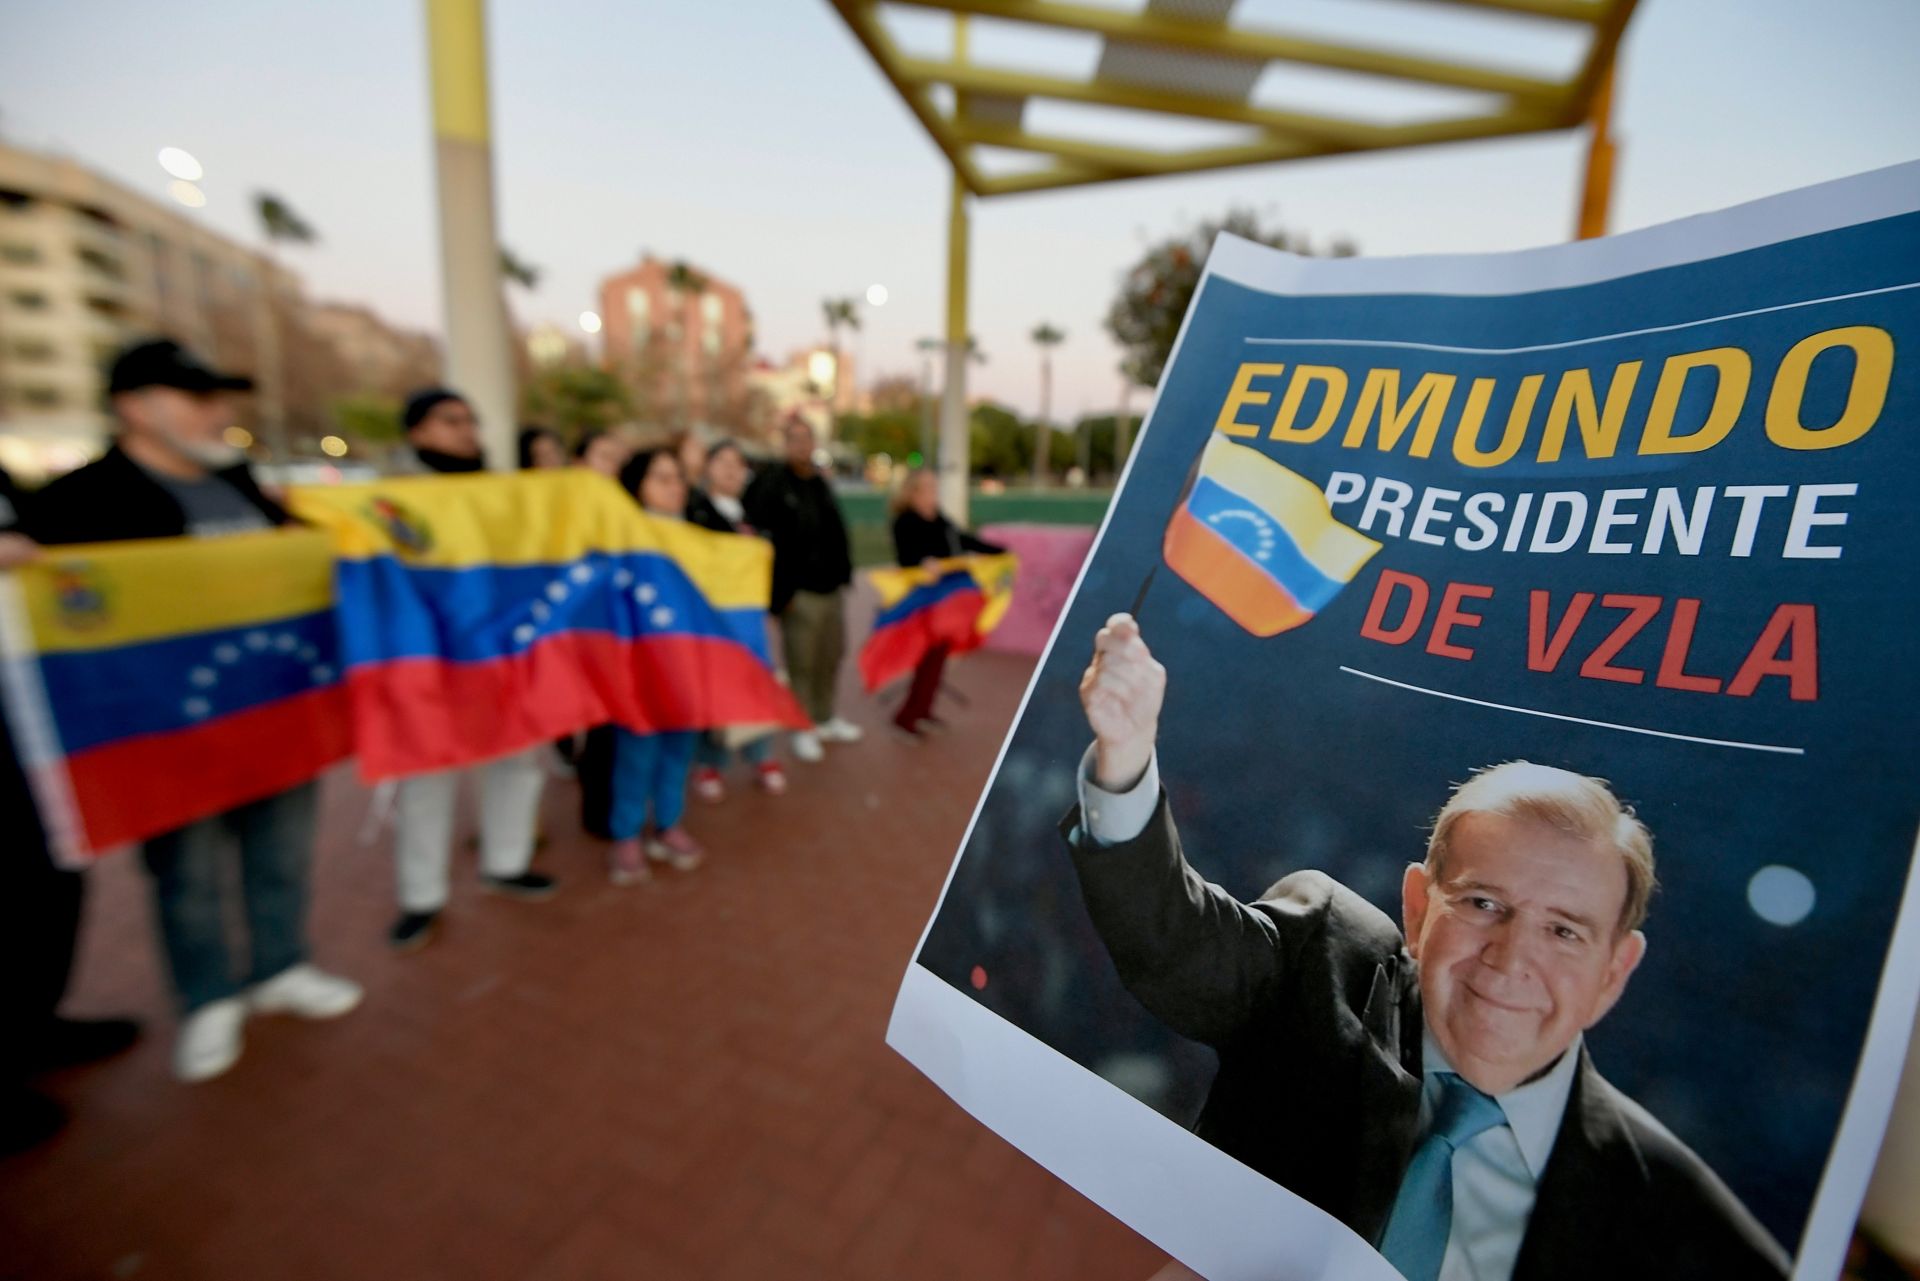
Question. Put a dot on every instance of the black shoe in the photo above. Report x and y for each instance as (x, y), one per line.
(527, 885)
(69, 1043)
(28, 1119)
(413, 931)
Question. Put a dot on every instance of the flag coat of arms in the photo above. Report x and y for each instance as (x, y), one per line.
(151, 684)
(1259, 540)
(957, 605)
(480, 615)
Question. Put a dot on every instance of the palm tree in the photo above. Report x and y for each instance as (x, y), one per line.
(1046, 338)
(278, 222)
(839, 313)
(685, 281)
(523, 274)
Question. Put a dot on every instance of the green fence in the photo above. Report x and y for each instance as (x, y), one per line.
(867, 520)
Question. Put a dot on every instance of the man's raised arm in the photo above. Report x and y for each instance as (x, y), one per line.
(1202, 961)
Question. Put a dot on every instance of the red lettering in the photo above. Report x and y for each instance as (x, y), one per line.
(1673, 659)
(1451, 616)
(1795, 627)
(1640, 610)
(1417, 593)
(1545, 658)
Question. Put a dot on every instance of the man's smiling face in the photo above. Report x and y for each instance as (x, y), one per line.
(1519, 944)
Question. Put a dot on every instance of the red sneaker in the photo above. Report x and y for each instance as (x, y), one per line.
(773, 779)
(676, 849)
(707, 784)
(627, 863)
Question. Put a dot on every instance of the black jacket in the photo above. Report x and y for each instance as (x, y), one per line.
(915, 538)
(1313, 1005)
(799, 515)
(702, 512)
(113, 498)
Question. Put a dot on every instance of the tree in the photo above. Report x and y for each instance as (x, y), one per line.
(839, 313)
(575, 399)
(367, 417)
(1046, 338)
(523, 274)
(1156, 291)
(686, 282)
(278, 223)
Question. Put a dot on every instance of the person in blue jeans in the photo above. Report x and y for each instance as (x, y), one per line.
(169, 474)
(649, 792)
(717, 505)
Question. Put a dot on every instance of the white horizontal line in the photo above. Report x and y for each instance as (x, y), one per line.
(1579, 720)
(1577, 342)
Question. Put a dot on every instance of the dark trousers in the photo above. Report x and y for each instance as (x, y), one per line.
(39, 923)
(925, 688)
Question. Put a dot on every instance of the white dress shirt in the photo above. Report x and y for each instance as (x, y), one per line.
(1496, 1175)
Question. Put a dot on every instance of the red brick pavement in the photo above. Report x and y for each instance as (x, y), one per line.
(685, 1079)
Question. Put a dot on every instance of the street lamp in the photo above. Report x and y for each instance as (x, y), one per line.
(876, 295)
(590, 322)
(181, 164)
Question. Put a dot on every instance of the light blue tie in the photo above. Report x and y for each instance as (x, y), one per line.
(1416, 1237)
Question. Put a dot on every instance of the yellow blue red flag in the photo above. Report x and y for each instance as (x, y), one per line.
(150, 684)
(957, 604)
(1259, 541)
(480, 615)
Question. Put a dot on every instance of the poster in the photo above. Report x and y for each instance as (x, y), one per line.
(1638, 510)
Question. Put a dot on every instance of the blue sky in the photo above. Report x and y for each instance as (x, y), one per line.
(755, 138)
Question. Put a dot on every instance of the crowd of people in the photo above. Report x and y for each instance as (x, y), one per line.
(172, 472)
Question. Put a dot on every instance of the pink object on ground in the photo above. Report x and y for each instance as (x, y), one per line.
(1050, 559)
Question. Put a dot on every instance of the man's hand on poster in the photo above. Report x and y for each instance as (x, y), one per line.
(1121, 692)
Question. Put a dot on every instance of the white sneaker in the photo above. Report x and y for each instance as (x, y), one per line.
(806, 747)
(307, 991)
(840, 731)
(209, 1041)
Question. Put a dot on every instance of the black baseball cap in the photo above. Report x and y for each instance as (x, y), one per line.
(165, 363)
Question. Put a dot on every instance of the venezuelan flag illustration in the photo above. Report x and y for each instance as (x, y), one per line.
(480, 615)
(150, 684)
(1259, 540)
(957, 605)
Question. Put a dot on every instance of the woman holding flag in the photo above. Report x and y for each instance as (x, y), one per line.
(923, 536)
(649, 792)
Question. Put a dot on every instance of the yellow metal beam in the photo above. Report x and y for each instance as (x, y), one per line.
(860, 18)
(1131, 160)
(1218, 38)
(1600, 55)
(1568, 10)
(1114, 93)
(1082, 173)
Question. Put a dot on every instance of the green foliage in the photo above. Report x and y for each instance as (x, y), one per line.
(1156, 291)
(893, 432)
(577, 399)
(1045, 335)
(523, 274)
(280, 222)
(366, 417)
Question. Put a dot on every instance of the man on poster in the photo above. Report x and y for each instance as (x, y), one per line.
(1431, 1090)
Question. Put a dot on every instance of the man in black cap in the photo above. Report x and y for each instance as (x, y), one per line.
(39, 922)
(172, 472)
(443, 437)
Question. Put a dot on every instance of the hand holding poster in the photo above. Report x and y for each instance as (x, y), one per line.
(1489, 851)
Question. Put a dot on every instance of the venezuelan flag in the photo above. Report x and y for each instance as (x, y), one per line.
(957, 605)
(1259, 540)
(480, 615)
(150, 684)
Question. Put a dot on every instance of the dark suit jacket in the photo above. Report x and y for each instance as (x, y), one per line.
(1313, 1005)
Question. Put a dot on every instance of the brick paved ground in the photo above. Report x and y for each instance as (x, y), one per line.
(684, 1079)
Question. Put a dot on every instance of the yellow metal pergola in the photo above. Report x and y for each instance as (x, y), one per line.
(1187, 61)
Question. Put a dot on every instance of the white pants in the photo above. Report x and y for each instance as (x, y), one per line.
(423, 840)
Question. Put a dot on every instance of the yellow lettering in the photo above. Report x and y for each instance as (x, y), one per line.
(1228, 423)
(1381, 394)
(1866, 395)
(1466, 437)
(1335, 381)
(1732, 368)
(1599, 429)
